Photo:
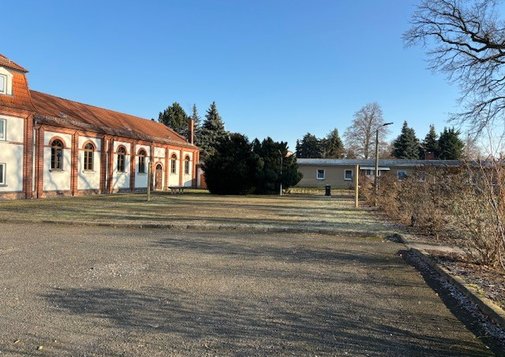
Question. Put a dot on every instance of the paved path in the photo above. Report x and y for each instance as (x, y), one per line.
(85, 291)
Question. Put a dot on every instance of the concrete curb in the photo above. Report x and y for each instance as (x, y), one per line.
(181, 226)
(487, 307)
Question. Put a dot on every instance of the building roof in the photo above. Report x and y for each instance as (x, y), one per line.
(5, 62)
(58, 111)
(383, 163)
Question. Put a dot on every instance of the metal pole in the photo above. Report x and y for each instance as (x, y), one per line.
(376, 181)
(376, 177)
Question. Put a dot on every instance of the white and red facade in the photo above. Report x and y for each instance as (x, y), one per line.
(53, 146)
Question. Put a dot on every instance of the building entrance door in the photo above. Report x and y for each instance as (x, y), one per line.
(158, 178)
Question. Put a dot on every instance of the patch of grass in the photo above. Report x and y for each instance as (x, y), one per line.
(310, 212)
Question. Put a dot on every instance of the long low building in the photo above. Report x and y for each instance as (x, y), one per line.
(54, 146)
(339, 173)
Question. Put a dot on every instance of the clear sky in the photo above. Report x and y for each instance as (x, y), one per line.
(278, 68)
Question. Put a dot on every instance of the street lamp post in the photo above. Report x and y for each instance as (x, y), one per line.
(376, 177)
(280, 183)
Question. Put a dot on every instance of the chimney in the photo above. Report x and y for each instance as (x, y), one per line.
(191, 131)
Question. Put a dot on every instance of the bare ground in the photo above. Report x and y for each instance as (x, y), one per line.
(100, 291)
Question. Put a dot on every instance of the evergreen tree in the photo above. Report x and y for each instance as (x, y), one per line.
(450, 145)
(309, 147)
(406, 146)
(175, 118)
(197, 124)
(231, 167)
(332, 145)
(211, 132)
(429, 147)
(268, 172)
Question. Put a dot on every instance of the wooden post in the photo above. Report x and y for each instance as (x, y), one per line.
(356, 186)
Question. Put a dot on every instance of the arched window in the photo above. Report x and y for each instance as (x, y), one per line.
(142, 161)
(89, 149)
(57, 155)
(121, 158)
(173, 164)
(186, 165)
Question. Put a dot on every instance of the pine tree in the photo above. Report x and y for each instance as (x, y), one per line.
(406, 146)
(450, 145)
(211, 132)
(309, 147)
(429, 147)
(332, 145)
(175, 118)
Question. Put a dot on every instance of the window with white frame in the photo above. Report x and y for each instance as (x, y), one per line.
(348, 175)
(320, 174)
(401, 175)
(3, 84)
(3, 127)
(2, 174)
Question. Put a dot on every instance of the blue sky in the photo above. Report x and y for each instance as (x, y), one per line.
(276, 68)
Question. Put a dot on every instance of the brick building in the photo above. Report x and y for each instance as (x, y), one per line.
(54, 146)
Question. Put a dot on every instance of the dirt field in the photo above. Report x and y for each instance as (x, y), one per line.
(100, 291)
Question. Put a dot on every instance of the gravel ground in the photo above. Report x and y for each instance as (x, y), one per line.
(99, 291)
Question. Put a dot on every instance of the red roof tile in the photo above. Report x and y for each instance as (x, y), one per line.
(5, 62)
(64, 112)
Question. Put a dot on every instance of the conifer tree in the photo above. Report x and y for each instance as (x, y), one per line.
(175, 118)
(309, 147)
(211, 132)
(406, 146)
(332, 145)
(429, 146)
(450, 145)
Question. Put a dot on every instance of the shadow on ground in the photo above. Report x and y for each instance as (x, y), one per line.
(245, 328)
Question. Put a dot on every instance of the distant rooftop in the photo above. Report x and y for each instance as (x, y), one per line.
(371, 162)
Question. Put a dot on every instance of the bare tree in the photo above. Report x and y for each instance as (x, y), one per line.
(466, 41)
(360, 136)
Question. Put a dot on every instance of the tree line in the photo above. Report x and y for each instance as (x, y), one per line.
(232, 164)
(361, 135)
(206, 133)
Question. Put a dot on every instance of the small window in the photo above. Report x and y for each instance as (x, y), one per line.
(186, 165)
(121, 159)
(402, 175)
(56, 155)
(173, 164)
(89, 150)
(3, 84)
(3, 126)
(2, 174)
(142, 161)
(348, 175)
(320, 174)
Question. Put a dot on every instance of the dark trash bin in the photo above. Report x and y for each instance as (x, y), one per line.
(327, 190)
